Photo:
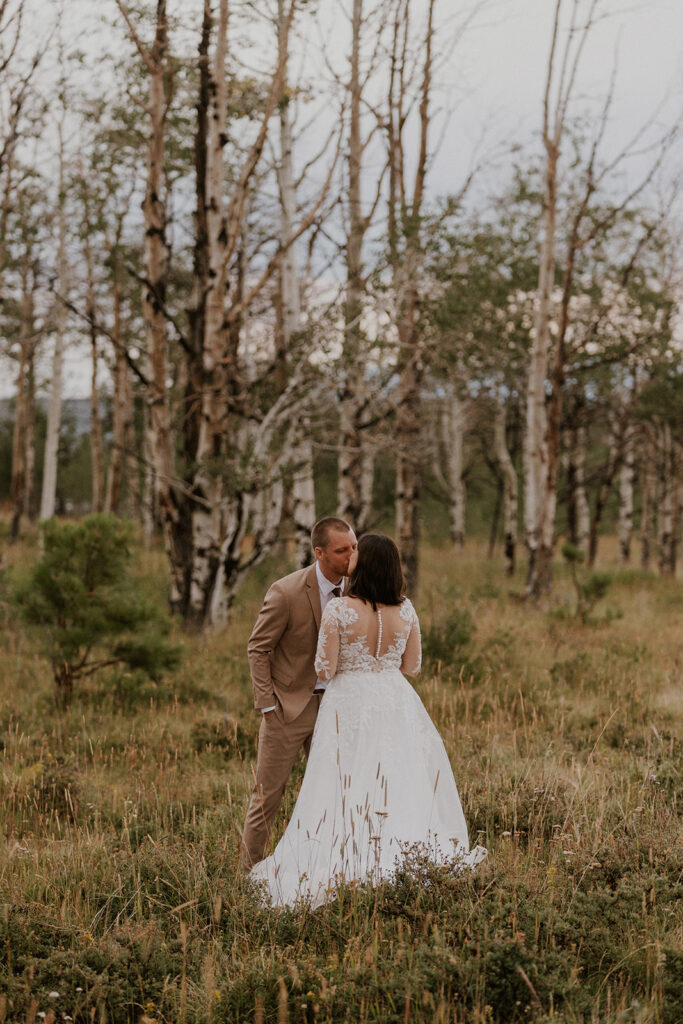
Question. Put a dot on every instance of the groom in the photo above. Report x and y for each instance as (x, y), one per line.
(281, 652)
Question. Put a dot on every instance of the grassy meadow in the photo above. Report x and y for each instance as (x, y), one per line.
(120, 898)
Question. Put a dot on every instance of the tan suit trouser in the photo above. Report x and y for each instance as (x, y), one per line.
(278, 746)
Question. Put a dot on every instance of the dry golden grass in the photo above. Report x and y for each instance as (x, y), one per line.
(119, 885)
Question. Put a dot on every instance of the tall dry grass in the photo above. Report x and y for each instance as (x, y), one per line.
(120, 895)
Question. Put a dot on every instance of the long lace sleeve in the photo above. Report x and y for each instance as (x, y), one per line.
(327, 654)
(411, 662)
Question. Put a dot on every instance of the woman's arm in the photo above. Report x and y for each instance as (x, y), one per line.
(327, 654)
(411, 662)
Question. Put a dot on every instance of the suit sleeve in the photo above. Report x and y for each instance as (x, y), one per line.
(265, 636)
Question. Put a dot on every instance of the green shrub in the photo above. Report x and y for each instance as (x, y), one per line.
(83, 602)
(589, 590)
(672, 986)
(448, 642)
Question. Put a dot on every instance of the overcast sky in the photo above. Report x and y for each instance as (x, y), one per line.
(504, 59)
(496, 76)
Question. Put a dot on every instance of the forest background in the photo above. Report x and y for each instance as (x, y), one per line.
(276, 300)
(305, 278)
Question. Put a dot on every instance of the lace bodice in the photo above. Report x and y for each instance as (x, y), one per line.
(354, 638)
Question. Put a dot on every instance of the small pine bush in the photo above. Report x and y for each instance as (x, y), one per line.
(83, 602)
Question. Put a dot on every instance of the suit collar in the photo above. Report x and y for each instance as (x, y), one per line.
(326, 586)
(313, 593)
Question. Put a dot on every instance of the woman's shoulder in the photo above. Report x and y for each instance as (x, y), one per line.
(407, 610)
(342, 608)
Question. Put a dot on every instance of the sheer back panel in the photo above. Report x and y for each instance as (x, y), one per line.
(354, 638)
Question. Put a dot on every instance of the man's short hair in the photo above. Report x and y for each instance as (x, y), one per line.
(321, 531)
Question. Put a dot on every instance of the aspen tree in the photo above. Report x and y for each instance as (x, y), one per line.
(302, 487)
(668, 512)
(54, 412)
(405, 256)
(578, 510)
(455, 413)
(23, 434)
(92, 314)
(626, 480)
(510, 487)
(648, 505)
(356, 457)
(221, 503)
(539, 487)
(159, 439)
(550, 353)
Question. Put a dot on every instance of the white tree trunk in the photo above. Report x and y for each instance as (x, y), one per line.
(229, 459)
(24, 437)
(367, 480)
(535, 454)
(54, 419)
(54, 414)
(626, 475)
(18, 480)
(215, 520)
(159, 500)
(121, 390)
(262, 510)
(96, 433)
(30, 420)
(159, 444)
(668, 487)
(149, 492)
(303, 488)
(454, 418)
(579, 509)
(218, 514)
(291, 293)
(303, 493)
(134, 502)
(406, 259)
(352, 471)
(542, 440)
(648, 512)
(583, 525)
(510, 487)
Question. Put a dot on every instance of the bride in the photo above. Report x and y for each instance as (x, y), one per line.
(378, 782)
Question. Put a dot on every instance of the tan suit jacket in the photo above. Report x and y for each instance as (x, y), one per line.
(283, 642)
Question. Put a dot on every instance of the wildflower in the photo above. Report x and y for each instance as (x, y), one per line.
(53, 995)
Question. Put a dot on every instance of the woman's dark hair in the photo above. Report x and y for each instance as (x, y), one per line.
(378, 577)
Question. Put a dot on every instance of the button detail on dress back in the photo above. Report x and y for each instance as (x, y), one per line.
(379, 634)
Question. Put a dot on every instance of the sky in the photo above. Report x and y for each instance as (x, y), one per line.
(503, 58)
(493, 84)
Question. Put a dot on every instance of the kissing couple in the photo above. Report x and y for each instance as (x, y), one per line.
(327, 656)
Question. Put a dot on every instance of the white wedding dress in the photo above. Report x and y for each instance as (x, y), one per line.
(378, 782)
